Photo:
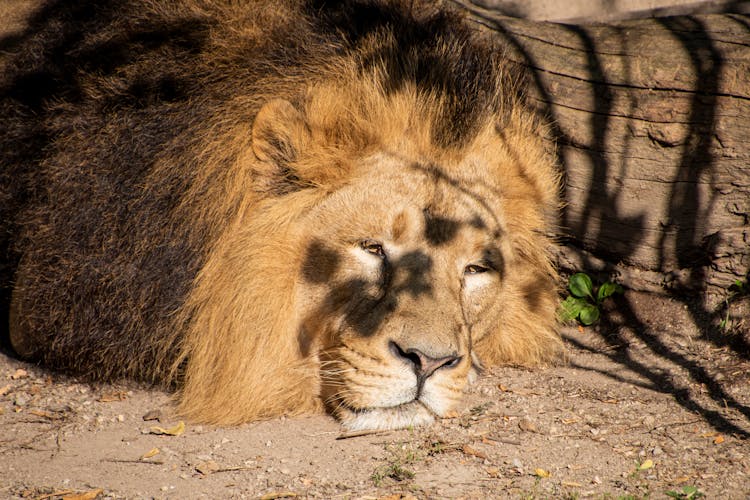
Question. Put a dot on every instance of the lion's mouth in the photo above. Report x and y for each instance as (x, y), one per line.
(406, 401)
(409, 414)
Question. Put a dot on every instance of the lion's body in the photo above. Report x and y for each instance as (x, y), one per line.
(195, 190)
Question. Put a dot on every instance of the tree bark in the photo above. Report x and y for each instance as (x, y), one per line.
(652, 122)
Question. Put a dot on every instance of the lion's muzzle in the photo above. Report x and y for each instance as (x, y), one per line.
(422, 364)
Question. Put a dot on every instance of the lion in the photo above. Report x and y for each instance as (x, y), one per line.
(275, 207)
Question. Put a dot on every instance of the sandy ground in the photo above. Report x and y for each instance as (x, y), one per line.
(634, 413)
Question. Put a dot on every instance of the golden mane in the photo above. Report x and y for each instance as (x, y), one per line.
(160, 234)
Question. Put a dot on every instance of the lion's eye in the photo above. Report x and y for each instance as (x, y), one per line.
(373, 247)
(475, 269)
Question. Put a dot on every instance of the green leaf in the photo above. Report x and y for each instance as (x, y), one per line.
(607, 289)
(571, 307)
(737, 287)
(687, 493)
(589, 314)
(580, 285)
(692, 492)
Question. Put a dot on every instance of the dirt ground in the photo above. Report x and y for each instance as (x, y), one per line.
(645, 405)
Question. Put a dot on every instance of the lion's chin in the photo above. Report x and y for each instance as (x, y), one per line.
(411, 414)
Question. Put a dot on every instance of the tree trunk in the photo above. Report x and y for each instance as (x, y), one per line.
(652, 121)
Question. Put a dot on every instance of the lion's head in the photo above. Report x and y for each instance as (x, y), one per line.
(410, 264)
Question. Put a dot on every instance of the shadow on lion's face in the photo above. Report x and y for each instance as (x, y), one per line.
(377, 271)
(406, 271)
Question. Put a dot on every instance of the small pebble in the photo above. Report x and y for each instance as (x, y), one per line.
(153, 415)
(21, 399)
(527, 425)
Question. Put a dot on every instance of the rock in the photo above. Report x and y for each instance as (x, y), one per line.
(527, 425)
(153, 415)
(21, 399)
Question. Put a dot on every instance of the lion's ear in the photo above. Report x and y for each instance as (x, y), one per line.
(283, 140)
(279, 133)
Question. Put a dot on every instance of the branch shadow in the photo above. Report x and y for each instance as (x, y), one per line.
(686, 213)
(613, 334)
(693, 250)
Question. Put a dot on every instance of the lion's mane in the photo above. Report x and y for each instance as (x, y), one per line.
(142, 239)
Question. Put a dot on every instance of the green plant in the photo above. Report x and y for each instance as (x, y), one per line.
(584, 302)
(393, 470)
(688, 492)
(736, 289)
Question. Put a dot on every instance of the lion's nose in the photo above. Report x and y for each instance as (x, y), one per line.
(423, 365)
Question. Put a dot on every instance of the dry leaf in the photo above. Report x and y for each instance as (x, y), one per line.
(44, 414)
(59, 493)
(647, 464)
(278, 494)
(468, 450)
(113, 396)
(5, 390)
(719, 440)
(20, 373)
(568, 421)
(207, 467)
(503, 388)
(571, 484)
(542, 473)
(88, 495)
(172, 431)
(493, 472)
(151, 453)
